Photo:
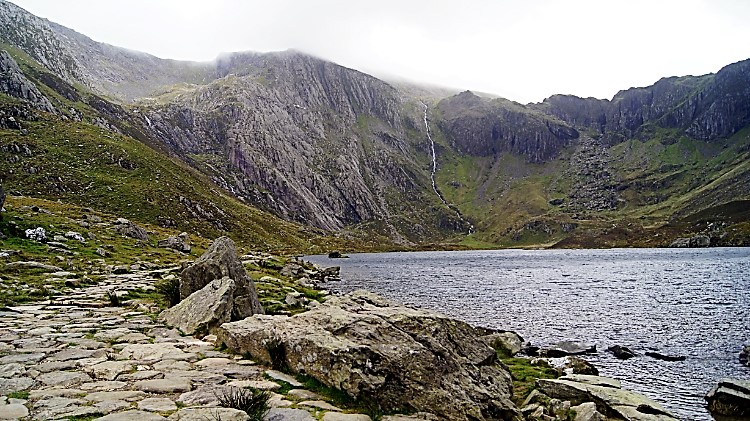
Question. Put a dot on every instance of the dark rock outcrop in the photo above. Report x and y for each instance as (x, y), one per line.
(730, 398)
(484, 127)
(15, 84)
(2, 196)
(663, 357)
(621, 352)
(372, 349)
(745, 355)
(219, 261)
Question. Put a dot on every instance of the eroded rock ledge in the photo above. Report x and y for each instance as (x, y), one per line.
(399, 357)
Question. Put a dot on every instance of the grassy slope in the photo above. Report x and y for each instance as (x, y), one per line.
(668, 177)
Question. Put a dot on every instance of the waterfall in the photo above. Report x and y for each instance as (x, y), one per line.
(433, 170)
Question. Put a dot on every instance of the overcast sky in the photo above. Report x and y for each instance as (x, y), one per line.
(522, 50)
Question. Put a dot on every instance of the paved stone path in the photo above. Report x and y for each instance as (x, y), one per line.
(76, 357)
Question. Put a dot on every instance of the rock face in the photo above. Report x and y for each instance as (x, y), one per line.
(483, 127)
(15, 84)
(204, 310)
(730, 397)
(610, 399)
(372, 349)
(219, 261)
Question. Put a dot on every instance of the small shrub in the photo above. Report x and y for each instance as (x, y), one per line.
(170, 290)
(253, 402)
(114, 299)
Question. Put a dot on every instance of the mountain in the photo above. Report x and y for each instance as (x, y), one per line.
(379, 163)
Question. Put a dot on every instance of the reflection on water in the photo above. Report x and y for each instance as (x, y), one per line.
(675, 301)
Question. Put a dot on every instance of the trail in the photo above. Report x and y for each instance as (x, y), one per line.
(434, 170)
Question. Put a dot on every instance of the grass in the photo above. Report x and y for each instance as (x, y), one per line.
(255, 403)
(525, 374)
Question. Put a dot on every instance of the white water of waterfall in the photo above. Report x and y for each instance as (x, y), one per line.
(433, 170)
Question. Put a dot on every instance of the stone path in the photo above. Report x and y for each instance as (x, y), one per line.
(75, 357)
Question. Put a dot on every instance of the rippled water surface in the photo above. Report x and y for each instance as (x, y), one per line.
(676, 301)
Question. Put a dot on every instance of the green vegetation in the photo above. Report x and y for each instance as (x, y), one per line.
(255, 403)
(524, 372)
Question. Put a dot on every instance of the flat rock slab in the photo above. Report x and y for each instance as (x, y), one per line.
(593, 380)
(287, 414)
(320, 405)
(71, 354)
(157, 405)
(131, 416)
(22, 358)
(303, 394)
(108, 407)
(125, 395)
(202, 414)
(278, 375)
(337, 416)
(256, 384)
(155, 352)
(13, 411)
(203, 396)
(64, 378)
(109, 370)
(15, 385)
(166, 385)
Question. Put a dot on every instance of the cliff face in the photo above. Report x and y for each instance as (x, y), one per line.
(14, 83)
(307, 139)
(484, 127)
(705, 107)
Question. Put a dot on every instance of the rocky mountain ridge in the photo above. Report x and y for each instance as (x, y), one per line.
(334, 148)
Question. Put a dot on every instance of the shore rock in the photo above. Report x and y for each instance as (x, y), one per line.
(621, 352)
(730, 397)
(745, 356)
(218, 261)
(204, 310)
(510, 342)
(609, 398)
(402, 358)
(664, 357)
(567, 348)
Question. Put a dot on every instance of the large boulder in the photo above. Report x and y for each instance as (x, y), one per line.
(204, 310)
(374, 350)
(129, 229)
(175, 242)
(610, 399)
(730, 398)
(218, 261)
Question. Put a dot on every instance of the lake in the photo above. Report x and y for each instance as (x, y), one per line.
(691, 302)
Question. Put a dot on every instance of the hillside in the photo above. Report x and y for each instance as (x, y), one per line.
(340, 158)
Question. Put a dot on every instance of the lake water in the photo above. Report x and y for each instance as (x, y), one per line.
(691, 302)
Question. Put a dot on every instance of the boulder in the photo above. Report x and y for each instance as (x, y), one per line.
(730, 398)
(509, 343)
(577, 365)
(204, 310)
(621, 352)
(610, 399)
(587, 412)
(664, 357)
(129, 229)
(745, 356)
(375, 350)
(566, 348)
(218, 261)
(175, 243)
